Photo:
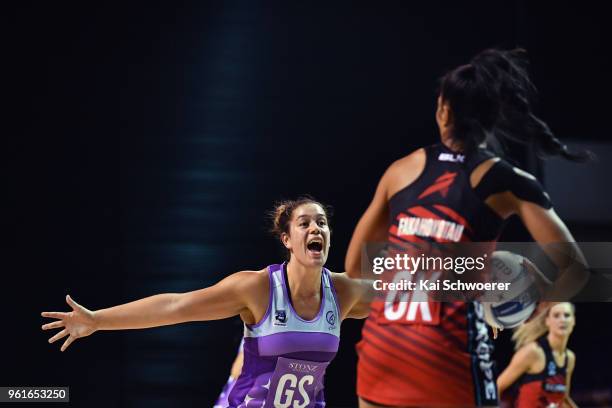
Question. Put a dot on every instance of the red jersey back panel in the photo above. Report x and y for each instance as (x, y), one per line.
(419, 352)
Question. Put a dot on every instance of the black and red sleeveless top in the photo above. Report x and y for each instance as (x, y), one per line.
(442, 344)
(546, 389)
(440, 205)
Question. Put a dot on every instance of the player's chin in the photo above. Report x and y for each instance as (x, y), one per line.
(564, 330)
(316, 258)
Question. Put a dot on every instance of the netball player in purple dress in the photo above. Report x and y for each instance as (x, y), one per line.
(291, 311)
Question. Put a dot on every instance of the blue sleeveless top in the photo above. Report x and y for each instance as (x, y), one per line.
(285, 356)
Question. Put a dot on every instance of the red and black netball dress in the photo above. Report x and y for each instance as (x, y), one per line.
(430, 353)
(546, 389)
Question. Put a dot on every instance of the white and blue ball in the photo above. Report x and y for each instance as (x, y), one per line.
(515, 305)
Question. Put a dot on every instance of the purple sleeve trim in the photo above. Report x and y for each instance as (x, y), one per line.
(333, 288)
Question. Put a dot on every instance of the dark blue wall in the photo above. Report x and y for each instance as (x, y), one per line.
(145, 142)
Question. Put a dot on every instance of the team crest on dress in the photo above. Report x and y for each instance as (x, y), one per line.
(330, 316)
(280, 318)
(552, 368)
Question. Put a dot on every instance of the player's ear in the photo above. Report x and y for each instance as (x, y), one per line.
(286, 240)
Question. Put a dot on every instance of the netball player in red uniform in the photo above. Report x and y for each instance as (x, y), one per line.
(543, 365)
(459, 190)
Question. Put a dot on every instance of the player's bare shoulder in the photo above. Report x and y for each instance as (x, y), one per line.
(532, 357)
(345, 290)
(415, 161)
(533, 349)
(249, 285)
(256, 282)
(348, 288)
(341, 281)
(405, 171)
(254, 287)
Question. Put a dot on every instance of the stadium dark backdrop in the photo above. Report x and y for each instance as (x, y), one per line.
(145, 143)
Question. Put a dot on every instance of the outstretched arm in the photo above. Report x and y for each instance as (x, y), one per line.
(374, 223)
(225, 299)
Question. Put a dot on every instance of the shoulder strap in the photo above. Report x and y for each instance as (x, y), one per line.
(543, 342)
(476, 158)
(277, 281)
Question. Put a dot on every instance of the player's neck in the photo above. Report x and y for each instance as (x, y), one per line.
(557, 343)
(304, 281)
(448, 141)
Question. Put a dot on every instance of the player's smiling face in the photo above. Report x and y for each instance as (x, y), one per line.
(308, 238)
(560, 320)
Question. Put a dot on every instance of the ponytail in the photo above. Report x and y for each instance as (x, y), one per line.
(500, 95)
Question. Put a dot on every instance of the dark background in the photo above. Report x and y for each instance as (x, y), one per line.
(145, 142)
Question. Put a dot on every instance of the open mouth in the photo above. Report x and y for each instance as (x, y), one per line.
(315, 246)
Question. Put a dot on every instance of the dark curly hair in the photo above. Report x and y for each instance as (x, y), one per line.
(491, 99)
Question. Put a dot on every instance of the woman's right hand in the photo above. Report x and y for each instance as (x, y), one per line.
(78, 323)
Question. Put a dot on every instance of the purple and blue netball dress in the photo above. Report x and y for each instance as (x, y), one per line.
(285, 356)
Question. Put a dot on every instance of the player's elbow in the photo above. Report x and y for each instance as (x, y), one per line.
(181, 307)
(580, 277)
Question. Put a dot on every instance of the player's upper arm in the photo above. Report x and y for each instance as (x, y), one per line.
(230, 297)
(509, 190)
(520, 364)
(505, 188)
(355, 296)
(372, 227)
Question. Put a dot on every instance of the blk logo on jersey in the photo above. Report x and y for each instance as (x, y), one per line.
(441, 185)
(449, 157)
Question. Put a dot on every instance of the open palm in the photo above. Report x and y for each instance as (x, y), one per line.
(76, 324)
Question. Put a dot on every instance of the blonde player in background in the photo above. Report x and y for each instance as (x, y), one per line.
(542, 366)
